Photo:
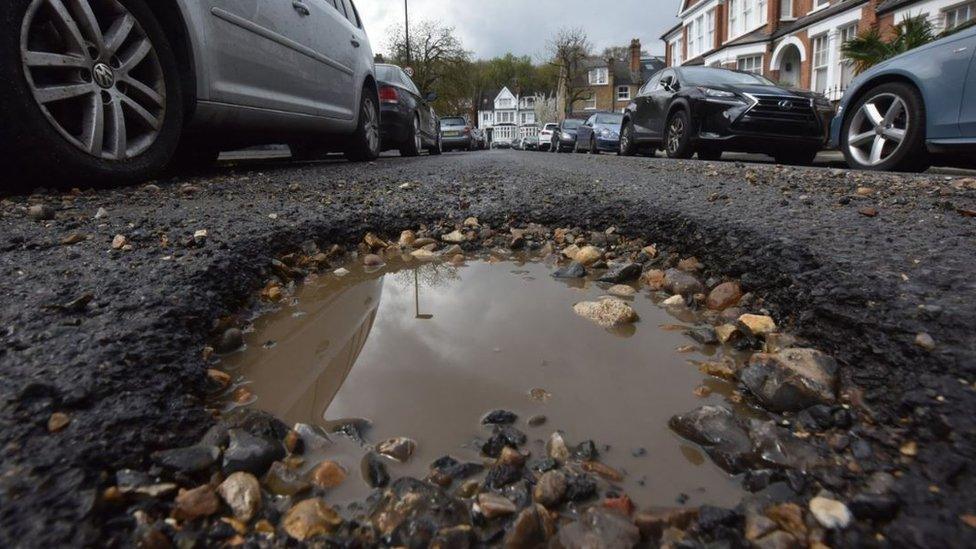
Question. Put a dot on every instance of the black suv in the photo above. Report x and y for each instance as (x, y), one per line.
(708, 111)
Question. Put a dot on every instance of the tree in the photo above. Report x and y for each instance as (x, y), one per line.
(871, 47)
(439, 62)
(568, 51)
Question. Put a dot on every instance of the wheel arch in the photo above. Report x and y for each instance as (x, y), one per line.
(174, 23)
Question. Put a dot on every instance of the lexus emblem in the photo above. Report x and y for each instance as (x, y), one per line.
(786, 105)
(103, 75)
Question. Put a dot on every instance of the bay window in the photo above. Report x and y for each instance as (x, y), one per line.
(752, 63)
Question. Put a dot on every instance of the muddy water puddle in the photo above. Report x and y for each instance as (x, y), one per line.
(425, 351)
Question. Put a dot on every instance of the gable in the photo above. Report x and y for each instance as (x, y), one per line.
(686, 4)
(505, 94)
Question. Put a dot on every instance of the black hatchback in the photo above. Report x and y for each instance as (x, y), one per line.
(408, 122)
(708, 111)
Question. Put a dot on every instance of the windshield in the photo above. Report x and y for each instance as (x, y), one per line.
(609, 119)
(703, 76)
(386, 73)
(552, 126)
(453, 121)
(572, 124)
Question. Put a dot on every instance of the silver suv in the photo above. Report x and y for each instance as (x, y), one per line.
(112, 91)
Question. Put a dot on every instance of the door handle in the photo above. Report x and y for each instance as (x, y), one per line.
(960, 50)
(301, 8)
(354, 42)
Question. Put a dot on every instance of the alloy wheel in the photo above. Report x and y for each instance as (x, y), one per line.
(874, 137)
(371, 125)
(676, 133)
(625, 140)
(95, 75)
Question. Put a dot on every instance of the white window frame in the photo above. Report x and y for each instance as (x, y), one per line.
(505, 103)
(845, 34)
(623, 93)
(505, 117)
(956, 13)
(590, 104)
(763, 10)
(820, 61)
(786, 10)
(599, 76)
(710, 30)
(676, 56)
(750, 63)
(819, 5)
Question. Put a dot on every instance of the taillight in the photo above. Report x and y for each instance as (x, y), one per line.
(467, 131)
(389, 94)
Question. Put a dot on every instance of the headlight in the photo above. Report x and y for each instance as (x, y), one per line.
(721, 96)
(607, 133)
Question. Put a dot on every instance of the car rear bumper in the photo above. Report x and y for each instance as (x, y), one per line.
(395, 125)
(456, 141)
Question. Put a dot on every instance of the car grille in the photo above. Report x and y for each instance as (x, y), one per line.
(784, 109)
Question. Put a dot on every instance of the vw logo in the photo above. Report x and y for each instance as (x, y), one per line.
(786, 105)
(103, 75)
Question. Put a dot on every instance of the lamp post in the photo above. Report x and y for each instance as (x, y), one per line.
(406, 27)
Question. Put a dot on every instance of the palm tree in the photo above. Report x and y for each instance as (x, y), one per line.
(870, 47)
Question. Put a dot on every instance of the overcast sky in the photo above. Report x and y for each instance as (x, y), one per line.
(494, 27)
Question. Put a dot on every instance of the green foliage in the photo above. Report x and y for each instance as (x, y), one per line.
(870, 48)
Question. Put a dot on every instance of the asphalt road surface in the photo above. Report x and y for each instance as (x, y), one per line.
(859, 264)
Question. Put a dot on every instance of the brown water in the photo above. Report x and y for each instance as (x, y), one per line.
(425, 352)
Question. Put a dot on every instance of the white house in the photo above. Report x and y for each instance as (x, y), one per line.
(509, 116)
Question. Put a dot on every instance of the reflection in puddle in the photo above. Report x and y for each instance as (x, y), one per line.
(425, 352)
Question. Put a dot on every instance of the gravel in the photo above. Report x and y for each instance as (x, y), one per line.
(114, 337)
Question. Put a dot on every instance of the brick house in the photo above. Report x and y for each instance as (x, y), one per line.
(796, 42)
(609, 83)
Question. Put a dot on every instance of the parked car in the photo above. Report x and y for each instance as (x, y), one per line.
(408, 122)
(564, 138)
(901, 113)
(517, 143)
(456, 134)
(113, 91)
(708, 111)
(600, 132)
(530, 143)
(546, 137)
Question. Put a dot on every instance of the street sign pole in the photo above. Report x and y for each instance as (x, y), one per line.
(406, 27)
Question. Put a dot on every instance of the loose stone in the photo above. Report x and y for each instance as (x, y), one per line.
(533, 527)
(599, 527)
(621, 272)
(499, 417)
(830, 513)
(191, 459)
(398, 448)
(609, 313)
(653, 279)
(493, 505)
(242, 493)
(758, 324)
(40, 212)
(588, 255)
(328, 474)
(247, 452)
(573, 270)
(195, 503)
(724, 295)
(622, 290)
(682, 283)
(454, 237)
(373, 260)
(374, 471)
(57, 422)
(925, 341)
(792, 379)
(550, 489)
(231, 340)
(310, 518)
(556, 448)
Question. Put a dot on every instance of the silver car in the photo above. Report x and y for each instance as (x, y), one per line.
(112, 91)
(456, 134)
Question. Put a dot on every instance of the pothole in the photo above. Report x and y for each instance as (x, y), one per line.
(425, 351)
(518, 386)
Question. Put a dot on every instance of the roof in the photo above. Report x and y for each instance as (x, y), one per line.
(672, 30)
(818, 16)
(754, 37)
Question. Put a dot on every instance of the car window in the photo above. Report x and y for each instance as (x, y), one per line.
(590, 120)
(651, 84)
(355, 12)
(453, 121)
(610, 118)
(408, 82)
(387, 73)
(666, 77)
(703, 76)
(571, 124)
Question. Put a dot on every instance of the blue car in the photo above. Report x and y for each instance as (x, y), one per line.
(600, 132)
(901, 113)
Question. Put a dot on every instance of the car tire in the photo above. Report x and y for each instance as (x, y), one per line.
(709, 153)
(413, 145)
(907, 155)
(593, 148)
(365, 146)
(54, 145)
(677, 135)
(438, 146)
(627, 145)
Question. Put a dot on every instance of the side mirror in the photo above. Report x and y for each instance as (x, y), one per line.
(431, 97)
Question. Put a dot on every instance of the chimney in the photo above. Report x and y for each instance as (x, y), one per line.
(635, 55)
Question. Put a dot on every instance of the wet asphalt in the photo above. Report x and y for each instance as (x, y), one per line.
(113, 338)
